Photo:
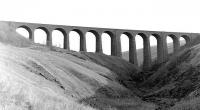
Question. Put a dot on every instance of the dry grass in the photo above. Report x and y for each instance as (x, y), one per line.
(37, 78)
(17, 94)
(192, 104)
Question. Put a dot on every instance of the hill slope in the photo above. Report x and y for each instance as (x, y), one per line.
(174, 85)
(35, 77)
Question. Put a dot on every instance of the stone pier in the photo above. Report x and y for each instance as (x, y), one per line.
(115, 35)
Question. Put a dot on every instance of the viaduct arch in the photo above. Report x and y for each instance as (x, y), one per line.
(115, 35)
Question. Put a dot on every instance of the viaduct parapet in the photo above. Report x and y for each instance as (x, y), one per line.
(115, 35)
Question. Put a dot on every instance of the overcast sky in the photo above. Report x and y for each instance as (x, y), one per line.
(158, 15)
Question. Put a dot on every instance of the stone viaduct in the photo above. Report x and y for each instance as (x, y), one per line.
(115, 35)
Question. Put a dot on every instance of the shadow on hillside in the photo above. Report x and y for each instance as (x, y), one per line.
(170, 83)
(107, 98)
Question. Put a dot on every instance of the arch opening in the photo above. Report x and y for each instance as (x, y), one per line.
(184, 39)
(24, 31)
(106, 43)
(139, 39)
(74, 40)
(154, 46)
(58, 38)
(40, 36)
(124, 38)
(170, 43)
(90, 41)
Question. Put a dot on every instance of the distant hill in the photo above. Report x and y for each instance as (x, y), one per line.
(125, 55)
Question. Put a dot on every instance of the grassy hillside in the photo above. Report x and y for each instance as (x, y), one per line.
(175, 85)
(35, 77)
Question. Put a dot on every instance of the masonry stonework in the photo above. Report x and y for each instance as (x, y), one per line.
(115, 35)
